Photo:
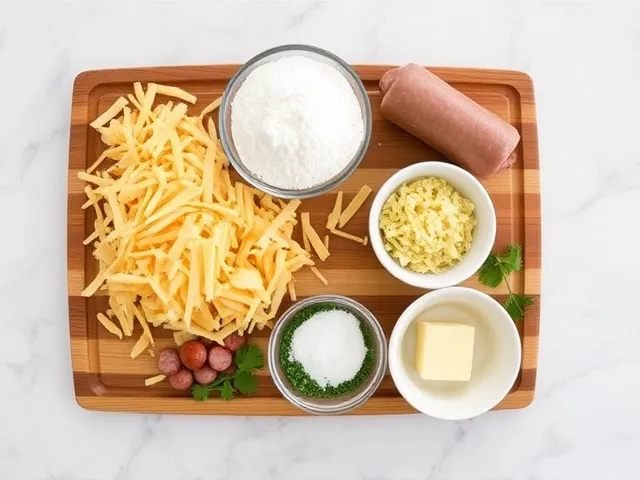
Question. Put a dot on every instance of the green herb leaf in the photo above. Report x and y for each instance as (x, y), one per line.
(246, 382)
(227, 390)
(490, 274)
(249, 357)
(495, 269)
(511, 260)
(200, 393)
(515, 304)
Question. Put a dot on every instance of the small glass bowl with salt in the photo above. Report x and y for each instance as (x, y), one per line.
(326, 349)
(295, 121)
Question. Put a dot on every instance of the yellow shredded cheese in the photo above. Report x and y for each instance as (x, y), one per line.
(305, 240)
(109, 325)
(317, 273)
(140, 346)
(334, 216)
(153, 380)
(347, 236)
(178, 245)
(210, 108)
(285, 215)
(176, 93)
(314, 238)
(111, 112)
(354, 205)
(292, 291)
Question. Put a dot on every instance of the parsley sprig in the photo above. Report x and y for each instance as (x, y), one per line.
(496, 268)
(248, 358)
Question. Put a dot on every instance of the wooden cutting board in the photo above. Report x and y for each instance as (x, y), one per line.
(105, 377)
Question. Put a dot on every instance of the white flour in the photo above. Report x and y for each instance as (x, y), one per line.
(296, 122)
(330, 347)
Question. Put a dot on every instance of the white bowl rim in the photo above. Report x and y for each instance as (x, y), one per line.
(425, 280)
(419, 305)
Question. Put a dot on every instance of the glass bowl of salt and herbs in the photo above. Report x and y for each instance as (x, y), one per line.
(327, 354)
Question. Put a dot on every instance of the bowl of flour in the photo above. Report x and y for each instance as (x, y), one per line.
(295, 121)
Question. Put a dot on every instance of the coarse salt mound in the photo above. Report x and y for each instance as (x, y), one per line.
(296, 122)
(330, 347)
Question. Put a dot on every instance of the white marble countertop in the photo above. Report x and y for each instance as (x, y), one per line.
(584, 58)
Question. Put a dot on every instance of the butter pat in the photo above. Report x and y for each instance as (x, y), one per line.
(444, 351)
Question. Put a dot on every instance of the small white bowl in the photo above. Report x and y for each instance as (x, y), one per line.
(496, 354)
(484, 234)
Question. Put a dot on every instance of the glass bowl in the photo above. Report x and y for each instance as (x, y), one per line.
(344, 403)
(224, 119)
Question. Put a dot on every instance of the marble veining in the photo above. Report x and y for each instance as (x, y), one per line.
(584, 57)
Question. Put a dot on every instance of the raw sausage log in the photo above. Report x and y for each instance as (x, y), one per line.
(181, 380)
(205, 375)
(427, 107)
(193, 354)
(220, 359)
(169, 361)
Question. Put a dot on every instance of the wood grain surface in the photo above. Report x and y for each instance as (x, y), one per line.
(105, 377)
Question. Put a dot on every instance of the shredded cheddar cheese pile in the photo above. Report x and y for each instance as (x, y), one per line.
(178, 243)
